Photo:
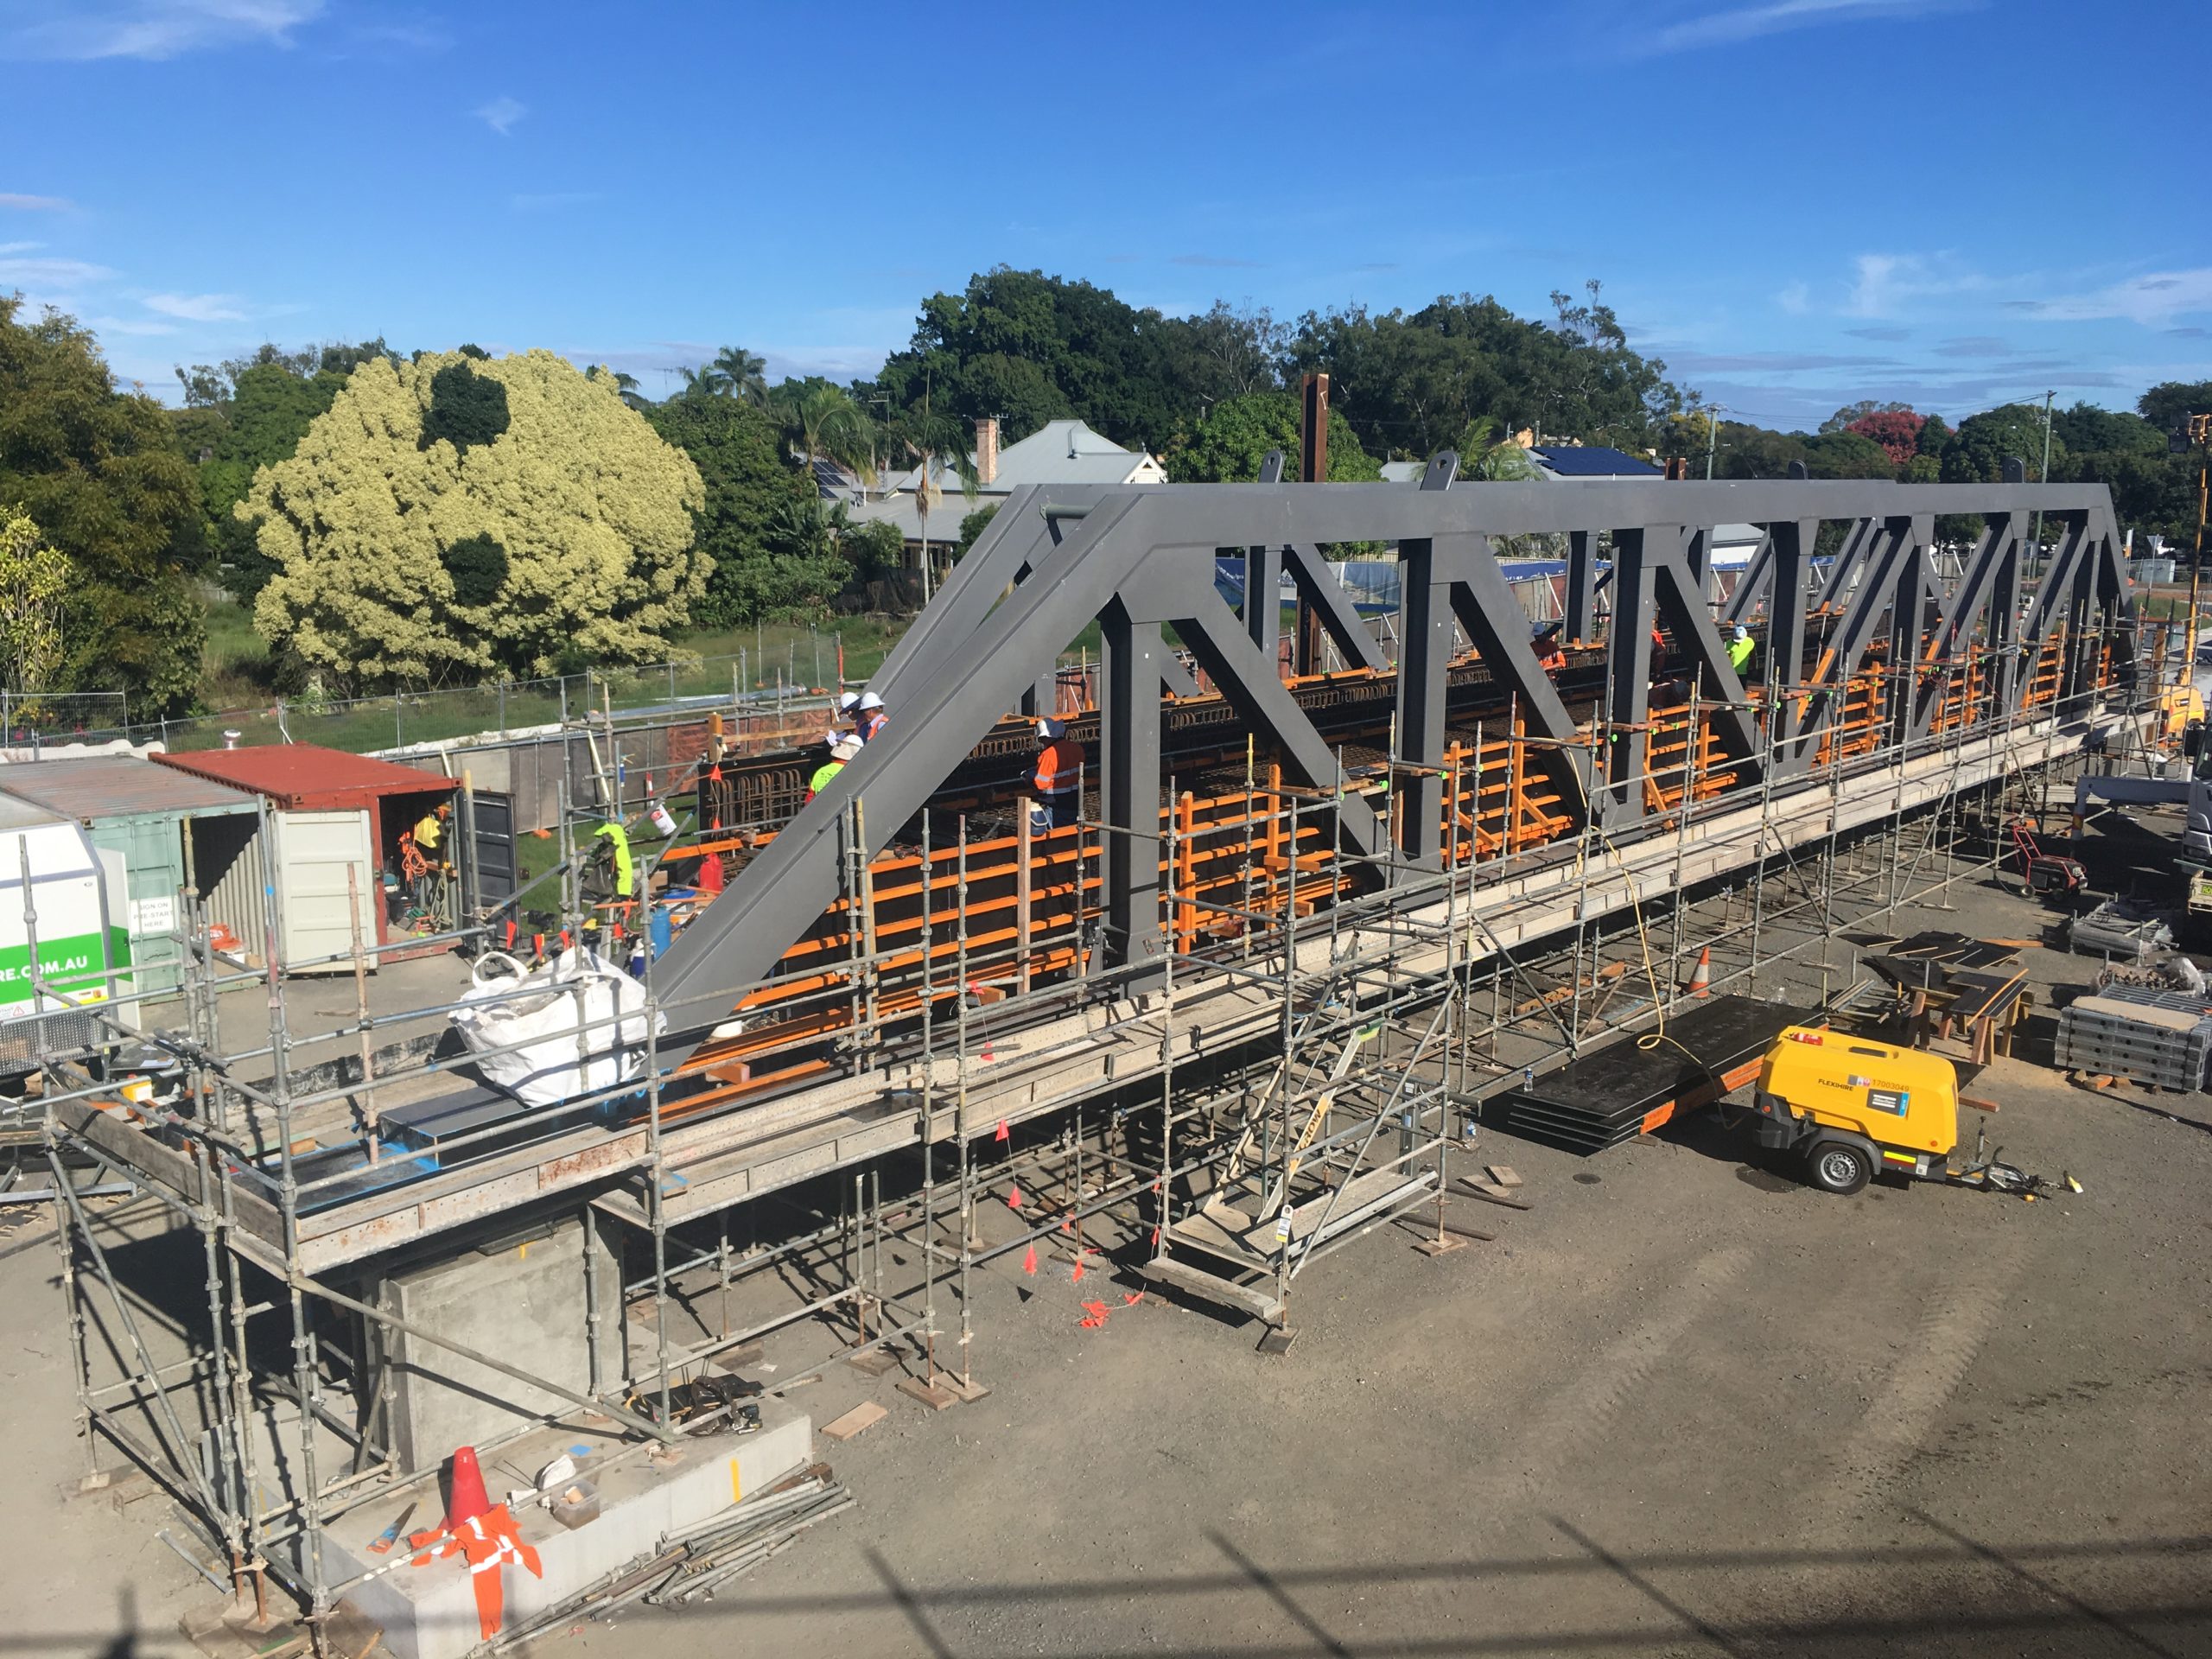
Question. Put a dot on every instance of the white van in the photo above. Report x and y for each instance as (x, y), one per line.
(80, 916)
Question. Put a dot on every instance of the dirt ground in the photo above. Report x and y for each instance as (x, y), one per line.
(1684, 1404)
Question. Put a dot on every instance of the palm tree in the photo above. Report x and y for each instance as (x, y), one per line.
(937, 442)
(627, 385)
(744, 374)
(826, 424)
(705, 381)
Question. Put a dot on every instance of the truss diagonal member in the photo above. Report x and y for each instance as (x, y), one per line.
(1018, 539)
(1249, 682)
(1482, 599)
(1651, 568)
(1997, 549)
(1319, 587)
(737, 940)
(1880, 554)
(1744, 602)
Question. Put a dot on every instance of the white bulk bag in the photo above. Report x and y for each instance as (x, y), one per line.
(535, 1020)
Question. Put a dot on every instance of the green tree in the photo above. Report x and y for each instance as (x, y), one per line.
(258, 409)
(705, 381)
(2165, 404)
(1028, 348)
(750, 521)
(1236, 434)
(34, 596)
(1847, 454)
(744, 375)
(1851, 414)
(1977, 452)
(2084, 428)
(98, 472)
(567, 532)
(826, 424)
(876, 549)
(632, 394)
(1933, 435)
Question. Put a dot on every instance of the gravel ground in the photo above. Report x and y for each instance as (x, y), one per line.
(1683, 1405)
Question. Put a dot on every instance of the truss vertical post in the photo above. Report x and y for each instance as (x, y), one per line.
(1628, 658)
(1129, 741)
(1790, 549)
(1582, 585)
(1424, 654)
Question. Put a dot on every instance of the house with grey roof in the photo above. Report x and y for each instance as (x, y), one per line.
(1059, 452)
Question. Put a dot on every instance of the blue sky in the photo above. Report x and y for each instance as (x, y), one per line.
(1796, 203)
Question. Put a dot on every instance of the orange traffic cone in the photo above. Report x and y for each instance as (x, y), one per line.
(465, 1495)
(1701, 975)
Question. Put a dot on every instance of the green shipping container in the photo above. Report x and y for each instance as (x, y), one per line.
(140, 810)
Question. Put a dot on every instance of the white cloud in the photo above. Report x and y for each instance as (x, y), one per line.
(1749, 23)
(1886, 282)
(128, 326)
(37, 272)
(1794, 299)
(150, 29)
(2154, 299)
(18, 203)
(197, 307)
(501, 114)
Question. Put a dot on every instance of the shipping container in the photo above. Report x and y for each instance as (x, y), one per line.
(332, 817)
(151, 816)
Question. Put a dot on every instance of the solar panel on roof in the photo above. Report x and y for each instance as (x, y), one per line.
(1593, 460)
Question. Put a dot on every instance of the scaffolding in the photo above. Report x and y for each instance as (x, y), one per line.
(960, 1035)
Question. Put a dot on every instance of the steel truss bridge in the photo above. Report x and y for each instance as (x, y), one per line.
(1278, 891)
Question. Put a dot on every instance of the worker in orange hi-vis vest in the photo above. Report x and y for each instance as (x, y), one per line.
(1058, 781)
(488, 1542)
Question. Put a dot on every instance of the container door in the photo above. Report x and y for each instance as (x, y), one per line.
(315, 850)
(153, 856)
(492, 863)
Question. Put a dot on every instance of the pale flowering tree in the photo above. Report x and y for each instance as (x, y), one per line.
(455, 519)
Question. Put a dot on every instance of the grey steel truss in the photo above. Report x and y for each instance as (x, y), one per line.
(1135, 559)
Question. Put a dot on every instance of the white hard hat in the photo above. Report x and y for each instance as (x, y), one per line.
(869, 700)
(846, 702)
(845, 748)
(1742, 632)
(1050, 727)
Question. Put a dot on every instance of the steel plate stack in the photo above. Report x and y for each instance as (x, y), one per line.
(2156, 1037)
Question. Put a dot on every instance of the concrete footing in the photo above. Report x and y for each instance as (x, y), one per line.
(429, 1611)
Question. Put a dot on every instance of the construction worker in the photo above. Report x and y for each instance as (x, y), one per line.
(610, 854)
(428, 833)
(869, 718)
(843, 748)
(1057, 779)
(1741, 648)
(847, 704)
(1551, 656)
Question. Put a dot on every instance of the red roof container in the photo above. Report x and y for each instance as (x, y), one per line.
(307, 778)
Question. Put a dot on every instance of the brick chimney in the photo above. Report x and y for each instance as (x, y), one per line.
(987, 449)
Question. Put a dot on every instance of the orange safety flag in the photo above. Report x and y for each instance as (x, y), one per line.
(488, 1542)
(1029, 1262)
(510, 932)
(1013, 1199)
(1067, 1224)
(1094, 1315)
(1076, 1277)
(1131, 1298)
(1002, 1134)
